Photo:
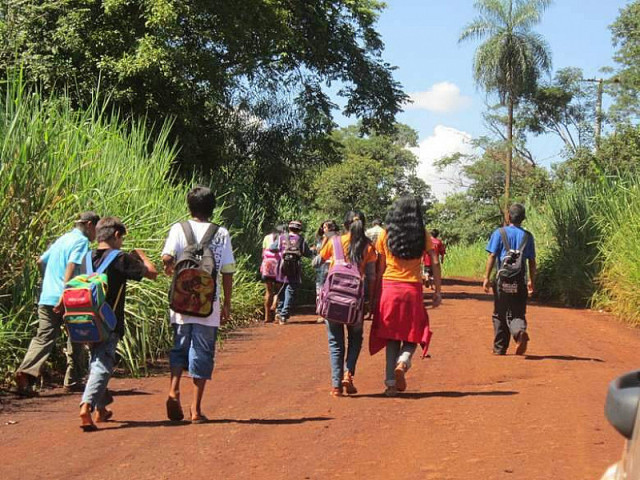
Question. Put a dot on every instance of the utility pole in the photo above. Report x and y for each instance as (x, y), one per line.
(599, 116)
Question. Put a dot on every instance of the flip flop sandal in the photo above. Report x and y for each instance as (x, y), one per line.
(200, 418)
(174, 409)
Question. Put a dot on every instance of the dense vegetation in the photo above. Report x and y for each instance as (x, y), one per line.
(121, 106)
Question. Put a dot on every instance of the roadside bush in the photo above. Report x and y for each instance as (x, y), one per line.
(57, 161)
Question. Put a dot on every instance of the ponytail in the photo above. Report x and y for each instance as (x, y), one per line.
(354, 223)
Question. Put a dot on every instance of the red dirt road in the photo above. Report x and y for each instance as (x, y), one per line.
(466, 415)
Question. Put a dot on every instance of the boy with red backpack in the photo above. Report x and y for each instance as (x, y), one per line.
(195, 252)
(119, 267)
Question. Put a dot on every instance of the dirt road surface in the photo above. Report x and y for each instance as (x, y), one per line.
(466, 415)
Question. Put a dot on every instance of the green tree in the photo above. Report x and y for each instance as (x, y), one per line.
(565, 108)
(626, 37)
(512, 56)
(373, 170)
(232, 74)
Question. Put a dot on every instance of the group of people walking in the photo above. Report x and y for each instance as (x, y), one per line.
(387, 264)
(391, 266)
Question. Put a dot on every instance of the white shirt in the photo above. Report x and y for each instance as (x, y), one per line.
(222, 252)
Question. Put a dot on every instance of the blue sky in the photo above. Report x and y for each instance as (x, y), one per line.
(421, 38)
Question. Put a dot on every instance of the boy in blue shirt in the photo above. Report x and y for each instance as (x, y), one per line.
(59, 264)
(510, 304)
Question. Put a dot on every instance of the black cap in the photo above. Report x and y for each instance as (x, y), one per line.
(89, 216)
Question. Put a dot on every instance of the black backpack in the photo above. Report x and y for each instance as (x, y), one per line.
(511, 273)
(193, 288)
(291, 259)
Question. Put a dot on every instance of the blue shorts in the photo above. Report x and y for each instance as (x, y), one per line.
(194, 349)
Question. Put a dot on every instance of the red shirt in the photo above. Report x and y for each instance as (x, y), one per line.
(438, 248)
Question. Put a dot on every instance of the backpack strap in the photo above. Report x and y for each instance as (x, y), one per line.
(505, 239)
(338, 251)
(106, 261)
(188, 233)
(209, 234)
(524, 242)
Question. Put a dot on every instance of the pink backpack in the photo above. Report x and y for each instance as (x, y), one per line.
(270, 261)
(341, 299)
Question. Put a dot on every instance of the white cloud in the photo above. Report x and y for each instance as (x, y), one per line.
(443, 142)
(443, 97)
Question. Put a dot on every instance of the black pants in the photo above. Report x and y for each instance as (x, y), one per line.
(509, 316)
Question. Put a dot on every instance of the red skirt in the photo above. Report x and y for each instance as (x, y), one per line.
(400, 315)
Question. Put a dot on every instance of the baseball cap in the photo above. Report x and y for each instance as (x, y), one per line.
(88, 216)
(295, 224)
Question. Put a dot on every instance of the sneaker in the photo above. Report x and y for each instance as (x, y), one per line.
(336, 392)
(283, 320)
(401, 381)
(391, 391)
(347, 383)
(521, 344)
(25, 385)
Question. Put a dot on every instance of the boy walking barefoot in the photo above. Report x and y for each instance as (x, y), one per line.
(195, 336)
(110, 233)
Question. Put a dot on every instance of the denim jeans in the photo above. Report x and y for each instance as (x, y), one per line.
(285, 302)
(335, 332)
(397, 352)
(194, 349)
(101, 363)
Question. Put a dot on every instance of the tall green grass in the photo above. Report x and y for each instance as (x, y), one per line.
(568, 261)
(56, 161)
(465, 260)
(618, 218)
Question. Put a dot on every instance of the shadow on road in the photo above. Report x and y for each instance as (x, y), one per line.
(249, 421)
(462, 281)
(487, 297)
(132, 392)
(443, 394)
(563, 357)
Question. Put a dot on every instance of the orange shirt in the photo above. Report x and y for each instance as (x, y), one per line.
(327, 252)
(398, 269)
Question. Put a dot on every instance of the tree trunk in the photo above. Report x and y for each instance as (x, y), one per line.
(507, 181)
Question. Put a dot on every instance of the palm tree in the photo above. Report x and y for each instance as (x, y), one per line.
(512, 56)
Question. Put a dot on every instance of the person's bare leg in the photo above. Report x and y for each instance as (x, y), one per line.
(198, 392)
(86, 422)
(268, 300)
(174, 387)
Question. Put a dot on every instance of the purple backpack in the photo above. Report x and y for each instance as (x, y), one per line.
(341, 299)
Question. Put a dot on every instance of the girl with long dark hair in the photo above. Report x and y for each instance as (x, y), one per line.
(400, 321)
(358, 251)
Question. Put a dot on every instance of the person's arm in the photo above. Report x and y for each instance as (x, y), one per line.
(42, 265)
(437, 279)
(532, 275)
(169, 263)
(69, 272)
(227, 288)
(306, 251)
(151, 272)
(491, 260)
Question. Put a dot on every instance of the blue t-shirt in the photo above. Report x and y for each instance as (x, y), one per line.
(72, 247)
(515, 235)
